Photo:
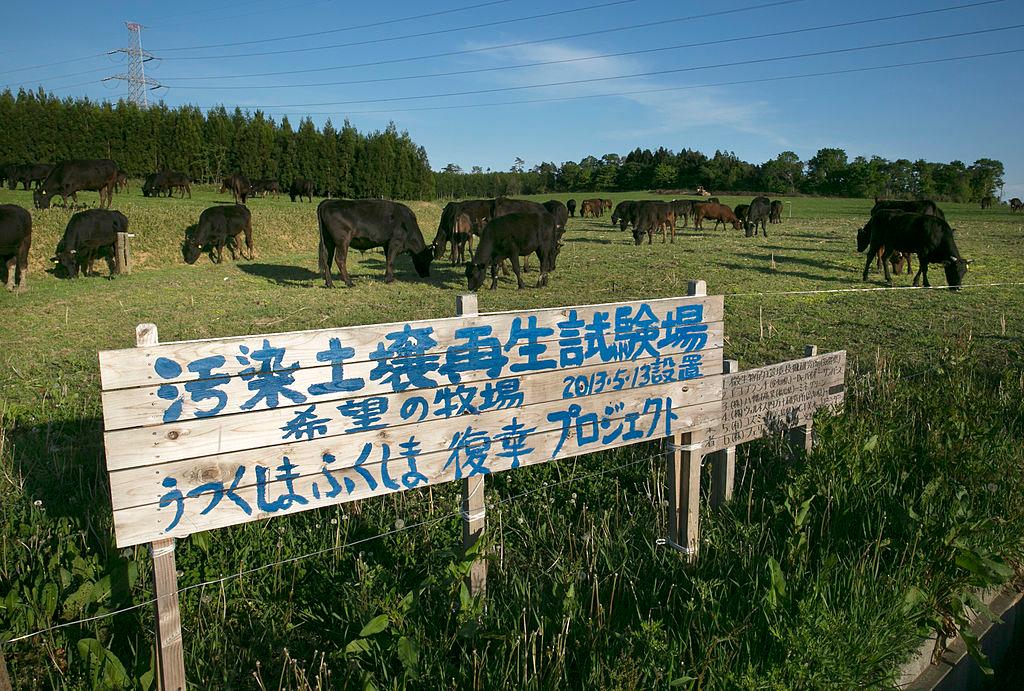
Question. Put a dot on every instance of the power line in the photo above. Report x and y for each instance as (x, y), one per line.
(52, 64)
(774, 34)
(421, 34)
(619, 94)
(652, 73)
(57, 76)
(485, 49)
(383, 22)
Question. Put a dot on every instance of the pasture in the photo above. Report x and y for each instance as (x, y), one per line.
(824, 570)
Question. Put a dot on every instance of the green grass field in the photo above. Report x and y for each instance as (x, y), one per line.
(914, 496)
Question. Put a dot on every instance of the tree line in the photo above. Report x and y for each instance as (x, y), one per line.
(829, 172)
(40, 128)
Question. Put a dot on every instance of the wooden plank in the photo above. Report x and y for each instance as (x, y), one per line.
(145, 523)
(474, 511)
(194, 438)
(682, 477)
(170, 655)
(723, 461)
(802, 436)
(136, 485)
(758, 402)
(5, 679)
(129, 368)
(146, 406)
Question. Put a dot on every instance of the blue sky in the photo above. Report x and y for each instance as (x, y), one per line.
(962, 109)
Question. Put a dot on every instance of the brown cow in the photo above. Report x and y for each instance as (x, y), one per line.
(719, 212)
(650, 217)
(592, 207)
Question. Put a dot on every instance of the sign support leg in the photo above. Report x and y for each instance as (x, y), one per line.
(802, 437)
(474, 512)
(683, 457)
(170, 658)
(723, 462)
(5, 680)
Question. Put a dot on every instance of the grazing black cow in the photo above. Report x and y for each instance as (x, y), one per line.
(682, 208)
(571, 206)
(266, 186)
(741, 212)
(926, 235)
(70, 177)
(219, 226)
(650, 217)
(914, 206)
(986, 202)
(6, 170)
(238, 185)
(90, 234)
(712, 200)
(758, 213)
(121, 182)
(561, 215)
(509, 237)
(15, 241)
(775, 215)
(29, 174)
(301, 187)
(623, 214)
(171, 180)
(1016, 205)
(151, 185)
(478, 211)
(366, 223)
(719, 212)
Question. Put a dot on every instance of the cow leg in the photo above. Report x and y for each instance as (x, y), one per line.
(526, 268)
(12, 265)
(515, 267)
(22, 268)
(886, 260)
(764, 228)
(111, 266)
(545, 266)
(232, 244)
(342, 260)
(920, 268)
(326, 259)
(494, 273)
(872, 254)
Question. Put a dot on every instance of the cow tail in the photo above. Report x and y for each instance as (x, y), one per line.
(322, 258)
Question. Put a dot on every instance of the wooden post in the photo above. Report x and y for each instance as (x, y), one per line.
(683, 456)
(803, 436)
(723, 462)
(170, 658)
(474, 512)
(5, 680)
(123, 253)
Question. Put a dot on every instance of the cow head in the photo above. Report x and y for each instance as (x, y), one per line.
(638, 234)
(956, 268)
(65, 262)
(748, 228)
(475, 274)
(41, 199)
(421, 260)
(863, 238)
(737, 224)
(190, 251)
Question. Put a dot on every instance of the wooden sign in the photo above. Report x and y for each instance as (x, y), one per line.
(758, 402)
(212, 433)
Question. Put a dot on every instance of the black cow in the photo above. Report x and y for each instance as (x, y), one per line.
(171, 180)
(758, 213)
(741, 211)
(650, 217)
(266, 186)
(927, 236)
(29, 174)
(512, 236)
(986, 202)
(15, 241)
(238, 185)
(219, 226)
(915, 206)
(571, 206)
(366, 223)
(775, 215)
(561, 215)
(70, 177)
(90, 234)
(1016, 205)
(301, 187)
(151, 185)
(6, 171)
(623, 214)
(682, 208)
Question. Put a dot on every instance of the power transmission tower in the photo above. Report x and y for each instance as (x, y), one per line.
(138, 83)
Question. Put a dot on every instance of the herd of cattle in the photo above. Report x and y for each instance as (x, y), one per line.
(508, 229)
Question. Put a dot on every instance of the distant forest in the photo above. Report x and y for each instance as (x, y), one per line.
(41, 128)
(828, 173)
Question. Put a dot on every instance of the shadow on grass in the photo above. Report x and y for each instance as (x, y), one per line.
(802, 261)
(281, 274)
(781, 271)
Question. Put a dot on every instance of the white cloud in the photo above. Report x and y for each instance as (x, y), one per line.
(662, 112)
